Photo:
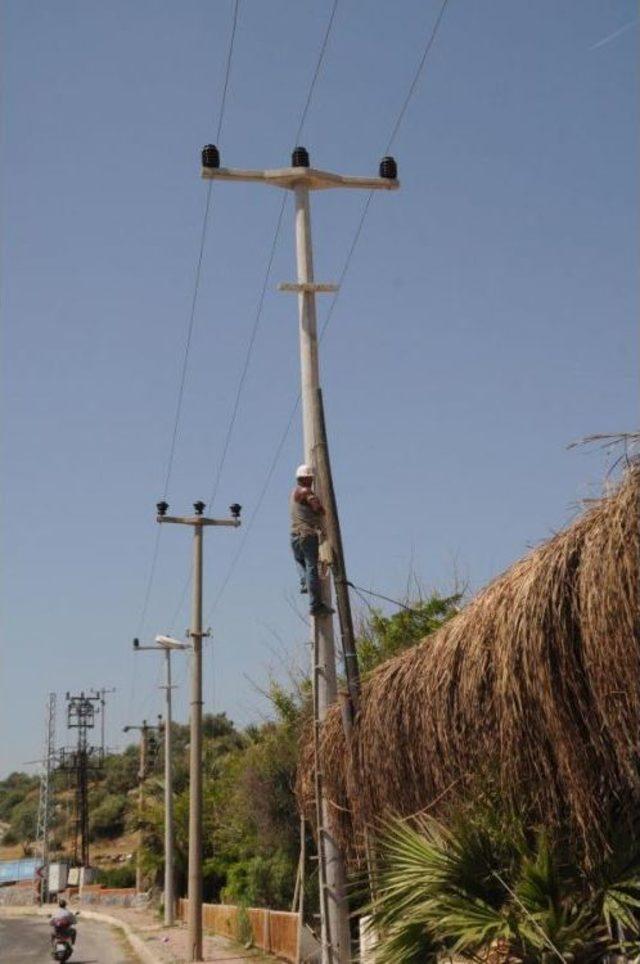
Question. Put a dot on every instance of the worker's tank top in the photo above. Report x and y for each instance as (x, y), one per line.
(305, 521)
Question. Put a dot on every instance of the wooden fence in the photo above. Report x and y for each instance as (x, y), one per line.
(273, 931)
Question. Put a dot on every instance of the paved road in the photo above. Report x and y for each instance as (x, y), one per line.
(24, 940)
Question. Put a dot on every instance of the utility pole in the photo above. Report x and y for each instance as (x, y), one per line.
(145, 732)
(164, 645)
(198, 521)
(103, 712)
(44, 804)
(81, 714)
(300, 178)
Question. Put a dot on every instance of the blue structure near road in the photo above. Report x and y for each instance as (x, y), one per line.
(14, 870)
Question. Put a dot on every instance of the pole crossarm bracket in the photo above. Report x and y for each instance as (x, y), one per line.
(308, 287)
(309, 177)
(198, 520)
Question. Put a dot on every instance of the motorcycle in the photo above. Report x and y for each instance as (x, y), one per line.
(62, 941)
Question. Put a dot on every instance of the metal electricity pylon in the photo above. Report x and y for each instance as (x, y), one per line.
(81, 760)
(301, 179)
(45, 799)
(198, 522)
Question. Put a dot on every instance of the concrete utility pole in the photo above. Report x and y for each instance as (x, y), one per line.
(103, 710)
(197, 523)
(164, 645)
(301, 179)
(44, 804)
(145, 731)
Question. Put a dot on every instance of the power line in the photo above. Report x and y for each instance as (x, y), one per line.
(267, 275)
(356, 237)
(261, 300)
(416, 77)
(227, 71)
(316, 73)
(249, 351)
(236, 404)
(359, 590)
(252, 518)
(190, 324)
(203, 237)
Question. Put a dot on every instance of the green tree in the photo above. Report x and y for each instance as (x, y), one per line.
(381, 637)
(107, 819)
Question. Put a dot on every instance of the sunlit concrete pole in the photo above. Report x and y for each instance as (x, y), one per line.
(145, 730)
(301, 179)
(164, 645)
(335, 921)
(169, 897)
(194, 914)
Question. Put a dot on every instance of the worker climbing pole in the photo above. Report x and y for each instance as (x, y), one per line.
(301, 178)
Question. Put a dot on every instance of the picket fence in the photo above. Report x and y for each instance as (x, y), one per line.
(273, 931)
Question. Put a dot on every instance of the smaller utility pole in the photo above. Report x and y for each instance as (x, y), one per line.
(164, 645)
(44, 805)
(197, 523)
(145, 731)
(103, 712)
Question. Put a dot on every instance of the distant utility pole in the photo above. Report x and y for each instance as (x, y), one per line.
(103, 712)
(44, 804)
(300, 178)
(197, 523)
(164, 645)
(81, 760)
(145, 732)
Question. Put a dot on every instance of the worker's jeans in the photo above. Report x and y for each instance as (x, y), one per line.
(305, 552)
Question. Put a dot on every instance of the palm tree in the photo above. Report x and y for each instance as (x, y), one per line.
(483, 889)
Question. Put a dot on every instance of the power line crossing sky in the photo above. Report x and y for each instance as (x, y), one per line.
(487, 320)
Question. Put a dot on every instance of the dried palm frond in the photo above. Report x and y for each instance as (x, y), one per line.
(535, 684)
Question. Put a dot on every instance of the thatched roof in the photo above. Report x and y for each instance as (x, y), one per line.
(536, 683)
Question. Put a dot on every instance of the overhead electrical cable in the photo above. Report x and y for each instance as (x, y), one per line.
(263, 293)
(267, 275)
(198, 272)
(350, 253)
(236, 405)
(188, 338)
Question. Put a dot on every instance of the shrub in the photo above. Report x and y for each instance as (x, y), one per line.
(10, 837)
(124, 876)
(107, 819)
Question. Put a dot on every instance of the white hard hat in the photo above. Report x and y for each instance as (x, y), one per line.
(304, 472)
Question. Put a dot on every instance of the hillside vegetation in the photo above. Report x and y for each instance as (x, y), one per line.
(251, 831)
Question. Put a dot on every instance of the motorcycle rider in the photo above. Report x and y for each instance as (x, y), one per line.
(63, 920)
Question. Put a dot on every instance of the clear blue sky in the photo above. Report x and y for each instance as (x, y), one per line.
(488, 319)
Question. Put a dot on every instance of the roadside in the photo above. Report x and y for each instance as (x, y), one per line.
(151, 942)
(169, 944)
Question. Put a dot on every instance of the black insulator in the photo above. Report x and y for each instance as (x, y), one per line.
(210, 156)
(389, 168)
(300, 157)
(199, 507)
(162, 507)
